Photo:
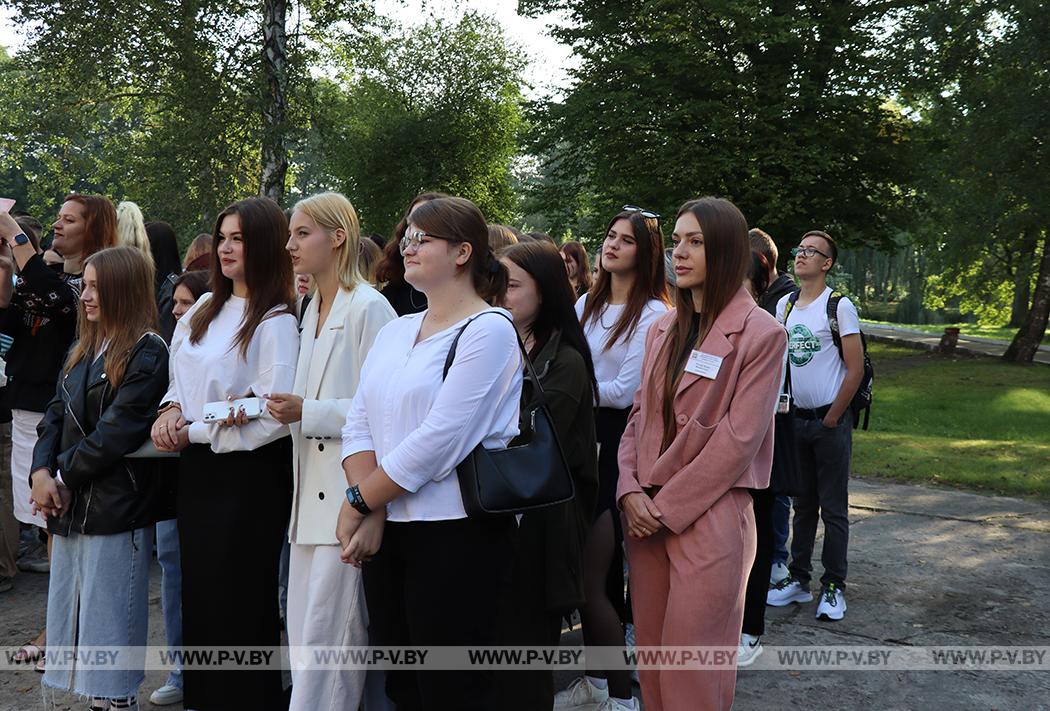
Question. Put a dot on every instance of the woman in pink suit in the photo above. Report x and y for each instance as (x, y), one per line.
(699, 436)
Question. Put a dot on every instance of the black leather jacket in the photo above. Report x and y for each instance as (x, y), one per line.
(87, 430)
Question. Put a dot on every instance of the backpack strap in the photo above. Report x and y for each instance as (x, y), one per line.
(792, 300)
(833, 320)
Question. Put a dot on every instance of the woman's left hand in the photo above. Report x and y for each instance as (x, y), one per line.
(235, 418)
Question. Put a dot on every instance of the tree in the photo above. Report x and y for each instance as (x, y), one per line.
(437, 107)
(777, 105)
(980, 74)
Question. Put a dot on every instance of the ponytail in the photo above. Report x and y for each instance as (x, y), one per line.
(491, 284)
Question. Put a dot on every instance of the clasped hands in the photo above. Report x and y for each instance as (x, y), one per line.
(48, 496)
(643, 518)
(171, 431)
(358, 534)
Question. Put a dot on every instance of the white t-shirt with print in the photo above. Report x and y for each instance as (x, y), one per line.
(817, 370)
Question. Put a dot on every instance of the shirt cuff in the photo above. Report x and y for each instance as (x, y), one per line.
(356, 446)
(199, 433)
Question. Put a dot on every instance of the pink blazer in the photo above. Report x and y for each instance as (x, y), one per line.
(724, 426)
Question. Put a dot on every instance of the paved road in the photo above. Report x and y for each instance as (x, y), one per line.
(928, 566)
(968, 345)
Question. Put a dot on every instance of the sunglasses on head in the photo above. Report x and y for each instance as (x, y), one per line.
(644, 213)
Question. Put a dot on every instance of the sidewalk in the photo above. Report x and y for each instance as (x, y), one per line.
(928, 566)
(968, 345)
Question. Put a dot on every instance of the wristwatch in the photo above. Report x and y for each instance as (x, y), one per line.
(20, 238)
(353, 495)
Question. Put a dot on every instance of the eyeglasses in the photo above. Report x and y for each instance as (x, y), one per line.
(807, 252)
(414, 238)
(644, 213)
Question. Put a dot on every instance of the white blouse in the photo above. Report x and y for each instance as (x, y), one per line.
(421, 427)
(212, 369)
(618, 369)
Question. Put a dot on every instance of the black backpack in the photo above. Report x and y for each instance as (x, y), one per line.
(861, 401)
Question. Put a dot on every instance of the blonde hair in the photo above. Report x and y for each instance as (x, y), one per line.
(131, 229)
(332, 211)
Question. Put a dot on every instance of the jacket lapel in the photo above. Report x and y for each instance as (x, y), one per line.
(331, 333)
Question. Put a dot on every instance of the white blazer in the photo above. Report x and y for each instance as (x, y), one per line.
(326, 378)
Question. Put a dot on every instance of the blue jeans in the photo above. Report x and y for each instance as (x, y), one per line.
(170, 589)
(781, 528)
(98, 596)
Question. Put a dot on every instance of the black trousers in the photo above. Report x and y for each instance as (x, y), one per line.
(758, 581)
(233, 518)
(609, 426)
(440, 583)
(823, 453)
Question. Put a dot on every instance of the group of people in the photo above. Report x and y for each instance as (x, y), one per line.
(662, 385)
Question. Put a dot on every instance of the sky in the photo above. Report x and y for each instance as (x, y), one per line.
(548, 60)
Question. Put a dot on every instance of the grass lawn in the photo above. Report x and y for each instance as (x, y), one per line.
(977, 423)
(967, 329)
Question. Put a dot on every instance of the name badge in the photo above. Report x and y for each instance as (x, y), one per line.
(703, 364)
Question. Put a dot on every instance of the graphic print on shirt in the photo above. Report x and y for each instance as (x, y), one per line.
(802, 345)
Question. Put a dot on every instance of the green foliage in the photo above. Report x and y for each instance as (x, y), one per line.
(431, 108)
(775, 105)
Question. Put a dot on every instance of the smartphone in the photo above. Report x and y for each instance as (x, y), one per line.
(219, 411)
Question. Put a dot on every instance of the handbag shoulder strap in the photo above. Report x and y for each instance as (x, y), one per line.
(529, 368)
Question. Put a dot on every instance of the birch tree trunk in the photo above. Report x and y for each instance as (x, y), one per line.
(275, 107)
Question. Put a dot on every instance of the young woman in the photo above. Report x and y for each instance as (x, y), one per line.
(189, 288)
(131, 229)
(578, 266)
(198, 254)
(439, 576)
(404, 297)
(628, 296)
(547, 582)
(101, 504)
(325, 599)
(235, 484)
(42, 320)
(700, 435)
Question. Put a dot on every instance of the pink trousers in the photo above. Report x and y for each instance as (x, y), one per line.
(687, 590)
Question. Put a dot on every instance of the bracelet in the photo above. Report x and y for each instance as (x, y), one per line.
(353, 495)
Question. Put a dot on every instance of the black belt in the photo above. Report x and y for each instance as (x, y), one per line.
(818, 414)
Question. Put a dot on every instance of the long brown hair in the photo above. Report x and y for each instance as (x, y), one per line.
(541, 260)
(649, 282)
(575, 251)
(727, 253)
(127, 309)
(267, 269)
(391, 270)
(459, 220)
(100, 222)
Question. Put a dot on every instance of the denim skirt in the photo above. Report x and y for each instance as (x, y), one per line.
(98, 596)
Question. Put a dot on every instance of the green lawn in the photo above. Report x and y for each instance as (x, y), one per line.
(977, 423)
(967, 329)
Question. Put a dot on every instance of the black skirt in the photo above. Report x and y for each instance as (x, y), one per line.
(609, 425)
(233, 516)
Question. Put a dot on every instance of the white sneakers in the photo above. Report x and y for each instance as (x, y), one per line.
(786, 592)
(778, 572)
(749, 651)
(167, 694)
(832, 604)
(582, 695)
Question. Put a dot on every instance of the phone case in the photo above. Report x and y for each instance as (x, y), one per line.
(219, 411)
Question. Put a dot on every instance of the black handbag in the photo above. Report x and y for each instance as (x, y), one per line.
(521, 478)
(787, 478)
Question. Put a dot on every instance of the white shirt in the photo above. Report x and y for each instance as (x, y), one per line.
(421, 427)
(817, 370)
(618, 369)
(214, 368)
